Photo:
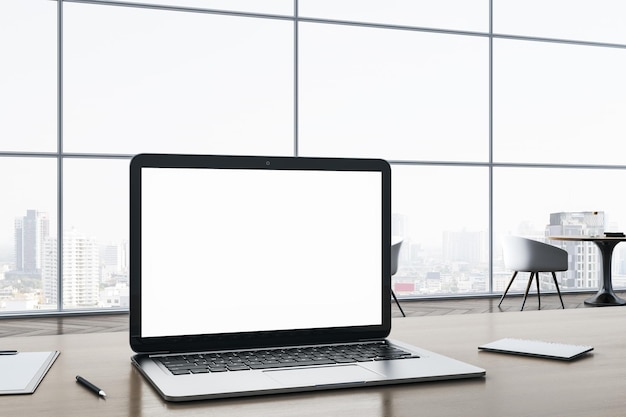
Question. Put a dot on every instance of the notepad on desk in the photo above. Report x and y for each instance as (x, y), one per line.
(537, 348)
(21, 373)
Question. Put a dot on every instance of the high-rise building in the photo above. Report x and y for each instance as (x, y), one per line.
(113, 263)
(81, 272)
(465, 246)
(584, 264)
(31, 232)
(110, 259)
(49, 273)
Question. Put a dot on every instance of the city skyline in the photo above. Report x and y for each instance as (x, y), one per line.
(95, 274)
(459, 264)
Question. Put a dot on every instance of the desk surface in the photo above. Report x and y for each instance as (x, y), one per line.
(513, 386)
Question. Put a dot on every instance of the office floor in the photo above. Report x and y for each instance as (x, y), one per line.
(119, 322)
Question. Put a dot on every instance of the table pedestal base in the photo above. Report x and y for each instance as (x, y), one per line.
(603, 299)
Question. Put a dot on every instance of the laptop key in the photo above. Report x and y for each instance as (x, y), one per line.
(218, 368)
(268, 366)
(180, 372)
(238, 367)
(344, 360)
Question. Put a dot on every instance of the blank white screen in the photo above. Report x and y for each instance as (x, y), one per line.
(255, 250)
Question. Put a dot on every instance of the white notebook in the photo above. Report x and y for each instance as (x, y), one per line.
(536, 348)
(21, 373)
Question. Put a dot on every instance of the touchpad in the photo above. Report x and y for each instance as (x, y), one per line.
(326, 375)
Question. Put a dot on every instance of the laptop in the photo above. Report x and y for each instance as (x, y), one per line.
(256, 275)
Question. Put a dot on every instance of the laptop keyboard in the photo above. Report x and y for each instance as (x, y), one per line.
(281, 358)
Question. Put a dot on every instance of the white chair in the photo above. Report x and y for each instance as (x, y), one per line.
(526, 255)
(395, 253)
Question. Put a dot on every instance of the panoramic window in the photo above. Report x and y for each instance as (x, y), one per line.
(556, 103)
(401, 95)
(176, 82)
(497, 118)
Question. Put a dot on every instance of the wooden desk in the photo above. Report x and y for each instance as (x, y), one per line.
(513, 386)
(605, 295)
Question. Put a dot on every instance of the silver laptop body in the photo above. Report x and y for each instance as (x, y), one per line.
(232, 255)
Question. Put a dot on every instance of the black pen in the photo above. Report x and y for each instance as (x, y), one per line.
(8, 352)
(89, 385)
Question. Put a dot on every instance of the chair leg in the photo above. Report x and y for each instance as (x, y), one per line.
(557, 289)
(507, 287)
(397, 303)
(530, 281)
(538, 291)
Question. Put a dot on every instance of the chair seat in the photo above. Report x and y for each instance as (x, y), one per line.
(526, 255)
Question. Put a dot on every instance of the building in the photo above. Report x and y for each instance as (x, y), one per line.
(49, 273)
(465, 246)
(31, 232)
(81, 271)
(584, 264)
(115, 296)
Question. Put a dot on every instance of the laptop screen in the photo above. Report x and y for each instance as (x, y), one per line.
(223, 247)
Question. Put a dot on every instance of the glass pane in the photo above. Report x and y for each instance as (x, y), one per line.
(176, 82)
(28, 230)
(28, 75)
(525, 199)
(558, 103)
(362, 94)
(250, 6)
(95, 238)
(471, 15)
(442, 215)
(585, 20)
